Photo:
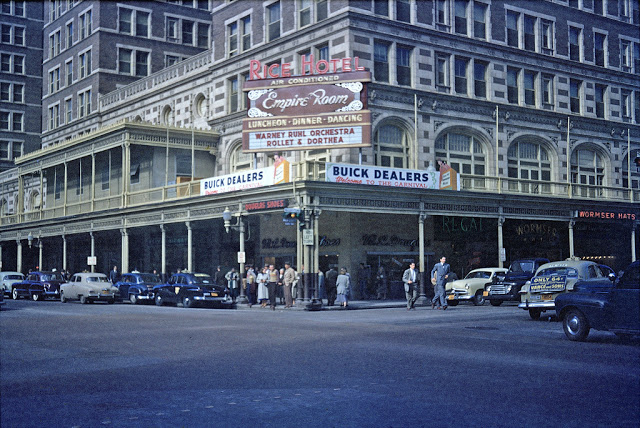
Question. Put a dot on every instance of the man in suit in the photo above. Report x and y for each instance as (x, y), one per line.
(411, 278)
(439, 275)
(330, 281)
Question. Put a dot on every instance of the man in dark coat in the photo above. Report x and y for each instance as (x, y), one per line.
(330, 279)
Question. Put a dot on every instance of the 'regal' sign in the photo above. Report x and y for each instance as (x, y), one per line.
(307, 111)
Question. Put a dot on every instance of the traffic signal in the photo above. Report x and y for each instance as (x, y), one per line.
(636, 161)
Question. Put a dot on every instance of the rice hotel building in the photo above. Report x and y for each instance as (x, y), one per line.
(390, 131)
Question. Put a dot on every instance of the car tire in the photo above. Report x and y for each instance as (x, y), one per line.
(187, 302)
(84, 300)
(535, 314)
(15, 294)
(495, 302)
(36, 297)
(478, 299)
(158, 300)
(133, 298)
(575, 325)
(111, 301)
(62, 298)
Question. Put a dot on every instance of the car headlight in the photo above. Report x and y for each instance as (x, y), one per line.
(487, 288)
(509, 289)
(466, 286)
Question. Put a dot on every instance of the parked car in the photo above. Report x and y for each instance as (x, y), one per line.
(605, 304)
(38, 286)
(88, 288)
(7, 279)
(472, 286)
(191, 289)
(137, 287)
(507, 288)
(552, 279)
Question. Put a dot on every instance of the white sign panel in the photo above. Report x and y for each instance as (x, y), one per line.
(92, 261)
(307, 237)
(242, 258)
(306, 138)
(381, 176)
(238, 181)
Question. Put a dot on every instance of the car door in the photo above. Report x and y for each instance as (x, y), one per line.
(125, 284)
(625, 299)
(72, 291)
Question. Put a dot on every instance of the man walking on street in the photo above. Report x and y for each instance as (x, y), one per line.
(439, 275)
(330, 280)
(411, 278)
(272, 284)
(289, 277)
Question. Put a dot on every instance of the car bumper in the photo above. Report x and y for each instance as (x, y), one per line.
(149, 296)
(502, 297)
(459, 296)
(546, 305)
(55, 293)
(99, 297)
(212, 299)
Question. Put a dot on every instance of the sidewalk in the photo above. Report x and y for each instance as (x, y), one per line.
(353, 305)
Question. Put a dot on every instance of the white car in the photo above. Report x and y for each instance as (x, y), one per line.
(88, 288)
(7, 279)
(472, 286)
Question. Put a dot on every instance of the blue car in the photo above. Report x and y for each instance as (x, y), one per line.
(192, 289)
(137, 287)
(609, 304)
(38, 286)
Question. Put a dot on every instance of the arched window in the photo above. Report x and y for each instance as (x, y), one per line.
(528, 160)
(635, 173)
(463, 152)
(166, 115)
(587, 169)
(391, 147)
(239, 161)
(4, 207)
(200, 106)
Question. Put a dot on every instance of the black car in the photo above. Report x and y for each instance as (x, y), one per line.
(507, 287)
(192, 289)
(137, 287)
(609, 304)
(38, 286)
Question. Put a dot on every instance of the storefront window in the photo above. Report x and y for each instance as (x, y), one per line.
(528, 161)
(587, 170)
(391, 147)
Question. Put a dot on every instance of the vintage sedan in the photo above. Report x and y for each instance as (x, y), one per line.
(607, 304)
(472, 286)
(552, 279)
(88, 288)
(192, 289)
(137, 287)
(38, 286)
(7, 279)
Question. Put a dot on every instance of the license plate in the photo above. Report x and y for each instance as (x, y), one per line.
(485, 293)
(547, 297)
(451, 297)
(105, 291)
(214, 294)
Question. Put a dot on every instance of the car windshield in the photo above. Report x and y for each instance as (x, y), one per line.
(149, 277)
(560, 270)
(524, 266)
(13, 277)
(202, 279)
(479, 274)
(51, 277)
(97, 279)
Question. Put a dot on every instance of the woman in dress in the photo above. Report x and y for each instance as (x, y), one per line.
(343, 284)
(263, 292)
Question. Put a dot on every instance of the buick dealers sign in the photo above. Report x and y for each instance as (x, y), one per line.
(381, 176)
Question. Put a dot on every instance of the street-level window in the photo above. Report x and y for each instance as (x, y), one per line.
(391, 146)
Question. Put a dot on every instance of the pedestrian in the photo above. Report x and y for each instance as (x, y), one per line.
(250, 286)
(343, 284)
(321, 292)
(272, 284)
(232, 283)
(330, 282)
(280, 285)
(363, 281)
(218, 276)
(287, 279)
(381, 284)
(113, 275)
(411, 279)
(439, 275)
(263, 293)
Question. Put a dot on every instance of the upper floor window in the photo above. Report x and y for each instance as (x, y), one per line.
(304, 12)
(381, 7)
(460, 20)
(442, 72)
(12, 7)
(12, 92)
(85, 24)
(11, 121)
(381, 61)
(625, 104)
(480, 78)
(598, 7)
(442, 14)
(84, 67)
(600, 98)
(512, 29)
(273, 21)
(403, 65)
(128, 17)
(12, 63)
(69, 34)
(528, 160)
(84, 103)
(12, 34)
(391, 146)
(461, 73)
(575, 43)
(240, 161)
(575, 95)
(462, 152)
(548, 92)
(587, 168)
(512, 85)
(600, 49)
(239, 35)
(54, 44)
(403, 10)
(480, 20)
